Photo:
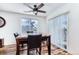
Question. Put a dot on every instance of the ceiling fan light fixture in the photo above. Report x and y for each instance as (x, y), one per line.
(35, 12)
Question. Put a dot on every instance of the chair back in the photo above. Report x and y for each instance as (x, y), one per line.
(16, 34)
(34, 41)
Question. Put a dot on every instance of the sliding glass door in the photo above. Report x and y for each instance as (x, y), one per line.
(58, 27)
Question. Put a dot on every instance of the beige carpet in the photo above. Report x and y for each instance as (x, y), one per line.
(11, 50)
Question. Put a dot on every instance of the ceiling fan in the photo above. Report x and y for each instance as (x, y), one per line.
(35, 8)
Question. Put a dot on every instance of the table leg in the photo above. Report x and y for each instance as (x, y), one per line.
(49, 46)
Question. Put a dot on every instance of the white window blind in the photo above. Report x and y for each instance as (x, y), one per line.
(58, 27)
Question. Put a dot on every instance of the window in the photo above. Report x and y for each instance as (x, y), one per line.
(29, 25)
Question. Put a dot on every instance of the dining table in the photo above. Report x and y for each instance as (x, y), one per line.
(23, 40)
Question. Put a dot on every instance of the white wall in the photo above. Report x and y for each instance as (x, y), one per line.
(73, 25)
(13, 25)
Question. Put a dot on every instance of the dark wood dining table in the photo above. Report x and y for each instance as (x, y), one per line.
(23, 40)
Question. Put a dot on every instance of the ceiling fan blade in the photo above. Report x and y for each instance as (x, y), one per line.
(41, 5)
(41, 11)
(28, 5)
(29, 11)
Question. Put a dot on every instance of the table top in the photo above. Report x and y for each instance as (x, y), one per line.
(25, 38)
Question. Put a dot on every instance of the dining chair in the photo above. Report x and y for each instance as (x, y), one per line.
(34, 44)
(16, 35)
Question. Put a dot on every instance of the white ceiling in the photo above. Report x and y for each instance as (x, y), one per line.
(20, 7)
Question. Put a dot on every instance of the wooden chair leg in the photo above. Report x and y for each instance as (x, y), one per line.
(40, 51)
(28, 51)
(22, 46)
(17, 48)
